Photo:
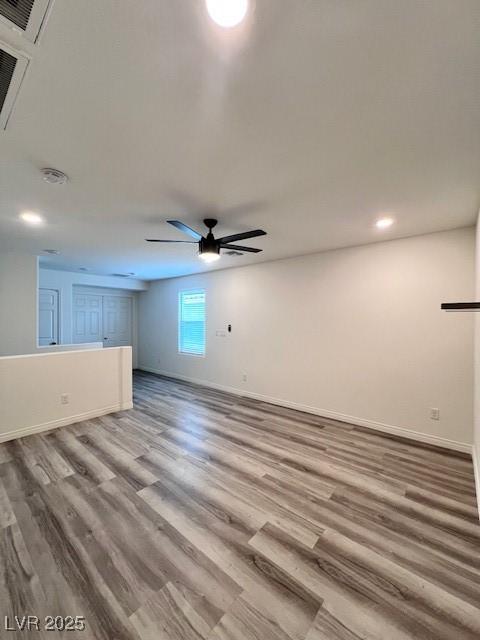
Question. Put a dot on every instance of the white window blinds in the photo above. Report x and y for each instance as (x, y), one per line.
(191, 322)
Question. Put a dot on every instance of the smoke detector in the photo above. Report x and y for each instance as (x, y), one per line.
(54, 176)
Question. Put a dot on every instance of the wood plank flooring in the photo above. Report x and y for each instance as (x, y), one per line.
(201, 515)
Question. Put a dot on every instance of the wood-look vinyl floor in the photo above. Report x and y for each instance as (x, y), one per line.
(201, 515)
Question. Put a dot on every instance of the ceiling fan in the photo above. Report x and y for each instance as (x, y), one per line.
(208, 246)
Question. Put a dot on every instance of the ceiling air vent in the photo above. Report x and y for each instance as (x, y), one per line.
(17, 11)
(12, 70)
(7, 69)
(26, 16)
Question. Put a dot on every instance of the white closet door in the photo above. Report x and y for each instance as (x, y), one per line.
(117, 321)
(47, 317)
(87, 318)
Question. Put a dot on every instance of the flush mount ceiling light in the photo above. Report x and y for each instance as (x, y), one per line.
(384, 223)
(54, 176)
(31, 218)
(227, 13)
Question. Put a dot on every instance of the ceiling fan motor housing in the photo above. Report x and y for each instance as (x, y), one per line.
(209, 244)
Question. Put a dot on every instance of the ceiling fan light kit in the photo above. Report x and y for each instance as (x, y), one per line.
(209, 246)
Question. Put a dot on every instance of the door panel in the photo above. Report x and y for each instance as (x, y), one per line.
(87, 315)
(117, 321)
(47, 317)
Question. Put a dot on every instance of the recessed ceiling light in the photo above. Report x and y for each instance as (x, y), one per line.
(227, 13)
(31, 218)
(384, 223)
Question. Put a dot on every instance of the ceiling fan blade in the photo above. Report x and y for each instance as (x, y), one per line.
(238, 248)
(243, 236)
(185, 229)
(182, 241)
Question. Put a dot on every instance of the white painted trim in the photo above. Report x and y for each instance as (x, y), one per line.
(325, 413)
(476, 471)
(62, 422)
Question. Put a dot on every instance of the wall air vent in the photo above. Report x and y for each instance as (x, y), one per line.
(12, 70)
(26, 16)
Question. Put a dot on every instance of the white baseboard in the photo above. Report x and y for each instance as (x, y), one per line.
(63, 422)
(476, 471)
(325, 413)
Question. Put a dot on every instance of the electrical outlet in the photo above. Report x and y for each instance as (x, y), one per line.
(64, 398)
(244, 377)
(434, 413)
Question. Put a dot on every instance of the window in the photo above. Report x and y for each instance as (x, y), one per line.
(191, 322)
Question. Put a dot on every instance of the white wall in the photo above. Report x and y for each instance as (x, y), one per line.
(64, 281)
(31, 387)
(355, 333)
(18, 303)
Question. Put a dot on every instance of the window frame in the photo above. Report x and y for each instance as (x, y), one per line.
(179, 320)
